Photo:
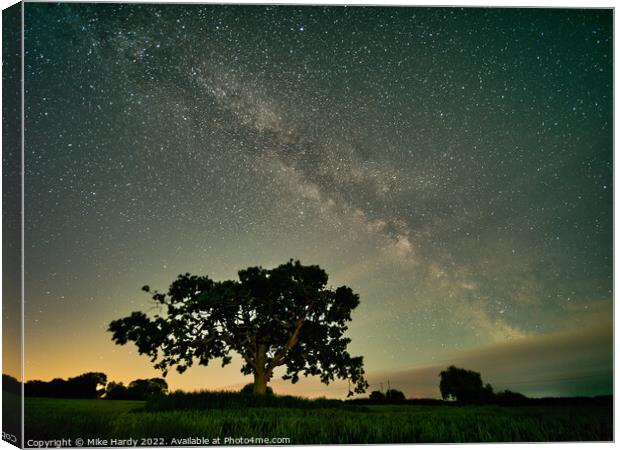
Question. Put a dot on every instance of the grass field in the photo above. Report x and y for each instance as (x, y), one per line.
(11, 416)
(60, 418)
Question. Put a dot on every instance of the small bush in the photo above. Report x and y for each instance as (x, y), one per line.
(249, 389)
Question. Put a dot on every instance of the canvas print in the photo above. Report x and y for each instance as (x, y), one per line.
(290, 225)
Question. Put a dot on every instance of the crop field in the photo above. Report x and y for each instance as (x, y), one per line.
(350, 424)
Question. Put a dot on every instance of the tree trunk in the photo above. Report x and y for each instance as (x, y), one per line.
(260, 383)
(260, 374)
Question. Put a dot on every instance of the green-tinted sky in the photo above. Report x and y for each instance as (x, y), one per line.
(453, 166)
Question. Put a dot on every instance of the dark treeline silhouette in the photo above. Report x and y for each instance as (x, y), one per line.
(10, 384)
(502, 400)
(465, 387)
(136, 390)
(389, 396)
(87, 385)
(598, 400)
(214, 400)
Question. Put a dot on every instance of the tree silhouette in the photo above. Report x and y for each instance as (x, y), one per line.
(137, 389)
(115, 391)
(377, 396)
(394, 396)
(285, 316)
(10, 384)
(464, 386)
(142, 388)
(390, 396)
(87, 385)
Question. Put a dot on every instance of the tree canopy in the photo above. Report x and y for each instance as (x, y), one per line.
(464, 386)
(10, 384)
(377, 396)
(87, 385)
(285, 316)
(137, 390)
(390, 396)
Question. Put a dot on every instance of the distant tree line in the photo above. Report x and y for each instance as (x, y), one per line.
(10, 384)
(389, 396)
(466, 387)
(136, 390)
(457, 386)
(87, 385)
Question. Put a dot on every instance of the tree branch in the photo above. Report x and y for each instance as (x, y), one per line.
(278, 358)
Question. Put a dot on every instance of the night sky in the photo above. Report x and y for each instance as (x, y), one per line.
(453, 166)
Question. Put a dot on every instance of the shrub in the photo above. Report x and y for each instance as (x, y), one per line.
(180, 400)
(249, 389)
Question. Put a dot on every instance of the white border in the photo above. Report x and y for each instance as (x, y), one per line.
(445, 3)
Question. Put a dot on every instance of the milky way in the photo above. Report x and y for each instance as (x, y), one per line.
(453, 166)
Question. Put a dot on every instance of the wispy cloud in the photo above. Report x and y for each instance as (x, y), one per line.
(561, 364)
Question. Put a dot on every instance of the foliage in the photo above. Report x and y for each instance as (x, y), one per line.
(116, 391)
(144, 388)
(249, 389)
(377, 396)
(10, 384)
(285, 316)
(464, 386)
(87, 385)
(137, 389)
(394, 395)
(390, 396)
(57, 418)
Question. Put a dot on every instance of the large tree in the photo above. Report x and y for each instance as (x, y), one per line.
(464, 386)
(286, 316)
